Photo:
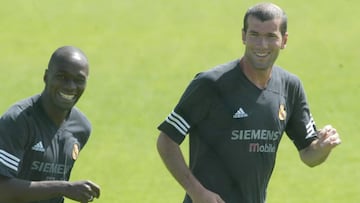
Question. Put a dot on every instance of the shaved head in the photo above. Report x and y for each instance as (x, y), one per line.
(68, 55)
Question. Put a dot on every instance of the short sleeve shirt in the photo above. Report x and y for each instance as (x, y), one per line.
(235, 128)
(33, 148)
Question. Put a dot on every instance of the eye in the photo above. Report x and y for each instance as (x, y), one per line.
(80, 81)
(272, 36)
(253, 34)
(60, 77)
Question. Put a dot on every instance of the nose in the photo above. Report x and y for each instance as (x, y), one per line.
(70, 84)
(262, 42)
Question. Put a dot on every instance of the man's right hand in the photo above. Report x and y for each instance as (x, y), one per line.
(206, 196)
(82, 191)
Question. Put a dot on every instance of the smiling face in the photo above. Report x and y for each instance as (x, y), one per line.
(263, 41)
(65, 79)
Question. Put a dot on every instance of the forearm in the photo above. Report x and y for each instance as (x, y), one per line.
(314, 154)
(16, 190)
(174, 161)
(319, 149)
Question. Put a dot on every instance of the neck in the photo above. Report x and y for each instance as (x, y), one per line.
(55, 114)
(259, 78)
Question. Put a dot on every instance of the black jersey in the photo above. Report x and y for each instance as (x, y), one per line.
(235, 128)
(33, 148)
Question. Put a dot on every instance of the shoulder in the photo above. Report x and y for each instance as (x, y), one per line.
(78, 118)
(289, 82)
(21, 108)
(17, 123)
(218, 73)
(286, 76)
(79, 125)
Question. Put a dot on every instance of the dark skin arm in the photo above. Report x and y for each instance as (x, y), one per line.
(14, 190)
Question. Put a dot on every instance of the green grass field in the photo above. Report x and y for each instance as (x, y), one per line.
(144, 53)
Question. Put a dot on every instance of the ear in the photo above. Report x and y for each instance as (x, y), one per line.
(45, 75)
(284, 41)
(243, 36)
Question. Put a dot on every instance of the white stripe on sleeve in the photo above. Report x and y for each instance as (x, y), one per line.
(9, 160)
(178, 122)
(310, 128)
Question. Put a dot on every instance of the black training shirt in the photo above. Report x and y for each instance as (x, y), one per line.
(235, 128)
(33, 148)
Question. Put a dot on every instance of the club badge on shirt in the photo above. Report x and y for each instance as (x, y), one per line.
(282, 112)
(75, 151)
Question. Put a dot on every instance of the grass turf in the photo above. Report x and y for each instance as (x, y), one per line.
(144, 53)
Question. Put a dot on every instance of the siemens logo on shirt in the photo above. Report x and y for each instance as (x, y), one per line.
(255, 135)
(256, 147)
(47, 167)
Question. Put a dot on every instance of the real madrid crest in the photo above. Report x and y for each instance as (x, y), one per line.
(282, 112)
(75, 151)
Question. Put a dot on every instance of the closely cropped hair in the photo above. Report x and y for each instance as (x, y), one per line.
(264, 12)
(64, 54)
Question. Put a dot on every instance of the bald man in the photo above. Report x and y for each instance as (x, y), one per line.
(41, 137)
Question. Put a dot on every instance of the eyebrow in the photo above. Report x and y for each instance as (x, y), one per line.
(267, 34)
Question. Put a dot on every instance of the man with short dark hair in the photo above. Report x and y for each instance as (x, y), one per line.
(41, 137)
(235, 115)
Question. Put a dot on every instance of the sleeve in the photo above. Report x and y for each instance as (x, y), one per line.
(12, 145)
(301, 128)
(80, 126)
(192, 108)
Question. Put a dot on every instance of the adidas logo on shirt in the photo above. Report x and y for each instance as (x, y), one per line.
(240, 114)
(38, 147)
